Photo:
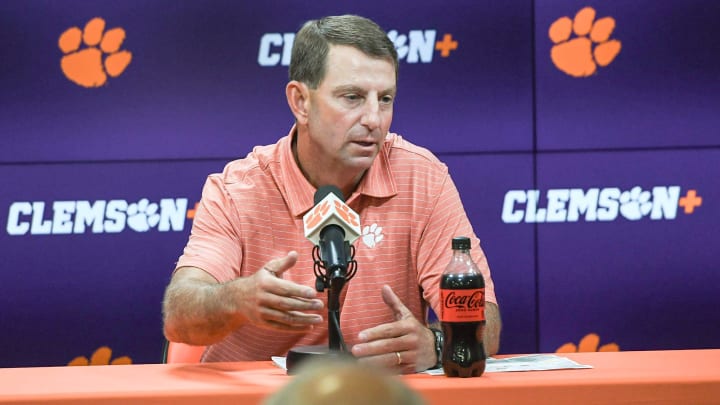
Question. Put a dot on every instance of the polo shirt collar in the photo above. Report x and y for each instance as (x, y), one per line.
(378, 181)
(300, 194)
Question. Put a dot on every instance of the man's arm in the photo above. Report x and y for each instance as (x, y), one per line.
(198, 310)
(493, 325)
(195, 310)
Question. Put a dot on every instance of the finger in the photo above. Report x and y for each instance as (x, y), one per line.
(391, 300)
(278, 289)
(274, 325)
(280, 301)
(278, 286)
(382, 346)
(392, 329)
(280, 264)
(380, 332)
(289, 320)
(399, 361)
(388, 360)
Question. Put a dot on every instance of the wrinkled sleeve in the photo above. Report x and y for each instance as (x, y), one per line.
(214, 244)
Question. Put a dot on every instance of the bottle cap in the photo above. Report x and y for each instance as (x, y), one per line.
(461, 243)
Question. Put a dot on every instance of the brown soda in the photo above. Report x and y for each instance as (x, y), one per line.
(462, 291)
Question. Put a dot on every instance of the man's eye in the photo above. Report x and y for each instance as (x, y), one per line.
(352, 97)
(386, 100)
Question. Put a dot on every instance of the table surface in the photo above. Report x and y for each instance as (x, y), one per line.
(675, 376)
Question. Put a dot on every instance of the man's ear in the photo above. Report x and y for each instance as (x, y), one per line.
(298, 98)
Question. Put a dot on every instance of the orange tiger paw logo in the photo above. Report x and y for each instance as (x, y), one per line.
(589, 343)
(344, 211)
(86, 67)
(592, 47)
(101, 357)
(318, 214)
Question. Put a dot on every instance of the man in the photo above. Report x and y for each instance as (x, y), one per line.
(241, 287)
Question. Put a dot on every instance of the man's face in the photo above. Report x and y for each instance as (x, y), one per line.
(351, 110)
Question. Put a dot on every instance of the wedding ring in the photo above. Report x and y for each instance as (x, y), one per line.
(399, 358)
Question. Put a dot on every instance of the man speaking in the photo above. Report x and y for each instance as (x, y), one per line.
(245, 285)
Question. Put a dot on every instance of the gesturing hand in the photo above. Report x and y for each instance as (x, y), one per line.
(268, 301)
(405, 345)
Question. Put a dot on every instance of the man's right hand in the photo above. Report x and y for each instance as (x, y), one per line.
(268, 301)
(198, 310)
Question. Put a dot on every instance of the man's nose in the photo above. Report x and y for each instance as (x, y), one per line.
(371, 115)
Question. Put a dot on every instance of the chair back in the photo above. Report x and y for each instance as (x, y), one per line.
(182, 353)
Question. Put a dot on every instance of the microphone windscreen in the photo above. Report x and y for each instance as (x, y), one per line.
(323, 191)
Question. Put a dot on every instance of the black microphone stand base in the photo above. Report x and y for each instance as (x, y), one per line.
(300, 354)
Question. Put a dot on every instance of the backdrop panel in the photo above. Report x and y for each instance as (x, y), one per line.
(207, 80)
(86, 261)
(660, 90)
(634, 261)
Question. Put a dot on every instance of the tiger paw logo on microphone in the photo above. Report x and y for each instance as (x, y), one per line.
(331, 210)
(316, 216)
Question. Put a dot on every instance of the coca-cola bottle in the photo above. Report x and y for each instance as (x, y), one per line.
(462, 314)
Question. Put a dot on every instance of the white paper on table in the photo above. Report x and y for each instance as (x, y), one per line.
(530, 362)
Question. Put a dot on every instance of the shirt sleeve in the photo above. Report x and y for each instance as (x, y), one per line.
(214, 244)
(448, 220)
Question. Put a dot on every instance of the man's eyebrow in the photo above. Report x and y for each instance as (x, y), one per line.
(348, 89)
(356, 89)
(390, 91)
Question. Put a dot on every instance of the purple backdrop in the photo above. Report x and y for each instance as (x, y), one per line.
(100, 183)
(646, 284)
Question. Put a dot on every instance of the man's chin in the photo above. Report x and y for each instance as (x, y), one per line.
(360, 163)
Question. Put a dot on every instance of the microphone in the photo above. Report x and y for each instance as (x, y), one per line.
(332, 226)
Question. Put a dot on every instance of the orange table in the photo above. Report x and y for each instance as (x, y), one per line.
(678, 376)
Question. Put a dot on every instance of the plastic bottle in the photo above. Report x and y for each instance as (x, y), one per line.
(462, 315)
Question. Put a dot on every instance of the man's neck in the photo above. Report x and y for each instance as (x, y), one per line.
(326, 177)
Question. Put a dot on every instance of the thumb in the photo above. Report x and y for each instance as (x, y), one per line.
(278, 265)
(393, 302)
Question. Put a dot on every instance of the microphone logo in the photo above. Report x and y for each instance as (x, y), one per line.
(331, 210)
(317, 215)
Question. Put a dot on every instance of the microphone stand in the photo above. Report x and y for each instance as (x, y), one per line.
(335, 342)
(333, 279)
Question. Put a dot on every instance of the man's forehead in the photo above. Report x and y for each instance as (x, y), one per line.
(344, 62)
(351, 52)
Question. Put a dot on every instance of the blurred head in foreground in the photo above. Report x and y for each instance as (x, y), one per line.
(343, 381)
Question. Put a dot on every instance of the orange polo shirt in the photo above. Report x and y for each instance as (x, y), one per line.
(409, 211)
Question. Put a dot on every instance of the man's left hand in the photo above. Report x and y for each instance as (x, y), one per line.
(405, 345)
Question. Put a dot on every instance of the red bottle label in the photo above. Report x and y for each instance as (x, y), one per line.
(462, 305)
